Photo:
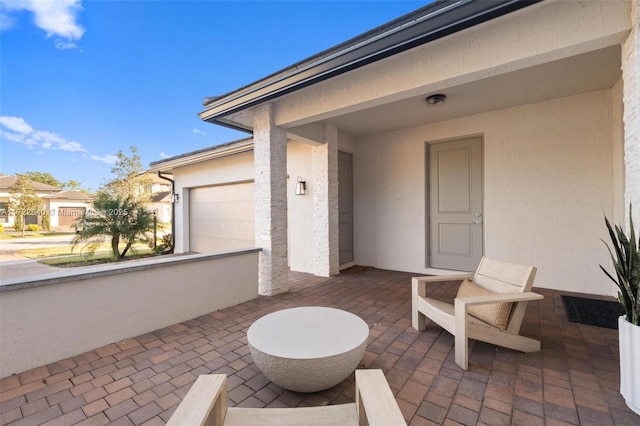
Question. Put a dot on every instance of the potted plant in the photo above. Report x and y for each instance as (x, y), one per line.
(626, 261)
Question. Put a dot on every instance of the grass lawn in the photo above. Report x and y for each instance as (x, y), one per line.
(68, 250)
(95, 258)
(68, 256)
(6, 235)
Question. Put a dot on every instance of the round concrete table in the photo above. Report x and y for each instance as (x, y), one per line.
(308, 349)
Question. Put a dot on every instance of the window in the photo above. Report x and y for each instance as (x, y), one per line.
(4, 212)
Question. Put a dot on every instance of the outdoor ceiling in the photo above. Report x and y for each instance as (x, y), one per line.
(583, 73)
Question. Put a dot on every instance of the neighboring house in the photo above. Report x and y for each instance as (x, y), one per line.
(66, 207)
(536, 139)
(160, 197)
(7, 219)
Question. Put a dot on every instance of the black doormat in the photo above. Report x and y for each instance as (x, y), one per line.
(600, 313)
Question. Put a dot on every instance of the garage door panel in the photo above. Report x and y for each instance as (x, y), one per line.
(228, 229)
(237, 209)
(68, 216)
(221, 217)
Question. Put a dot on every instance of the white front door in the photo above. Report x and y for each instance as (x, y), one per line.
(455, 204)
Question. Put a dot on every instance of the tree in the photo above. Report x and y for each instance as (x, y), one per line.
(130, 179)
(72, 185)
(117, 219)
(43, 177)
(24, 200)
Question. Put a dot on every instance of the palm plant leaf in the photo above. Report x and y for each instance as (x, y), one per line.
(116, 219)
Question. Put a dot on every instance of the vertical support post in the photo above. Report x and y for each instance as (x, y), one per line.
(631, 99)
(325, 204)
(270, 168)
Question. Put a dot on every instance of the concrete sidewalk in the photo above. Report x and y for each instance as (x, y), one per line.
(13, 265)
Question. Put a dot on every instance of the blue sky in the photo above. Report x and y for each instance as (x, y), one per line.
(80, 80)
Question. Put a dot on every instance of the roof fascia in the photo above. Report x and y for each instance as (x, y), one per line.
(427, 24)
(202, 155)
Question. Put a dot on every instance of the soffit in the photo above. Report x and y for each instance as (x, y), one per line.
(583, 73)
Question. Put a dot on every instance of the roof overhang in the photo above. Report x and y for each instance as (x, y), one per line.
(194, 157)
(424, 25)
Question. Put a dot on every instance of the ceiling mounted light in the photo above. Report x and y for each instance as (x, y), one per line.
(438, 99)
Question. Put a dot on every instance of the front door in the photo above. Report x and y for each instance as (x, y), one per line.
(455, 204)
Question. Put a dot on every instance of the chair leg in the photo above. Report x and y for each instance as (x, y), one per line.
(418, 319)
(461, 340)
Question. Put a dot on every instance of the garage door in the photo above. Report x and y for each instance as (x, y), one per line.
(221, 217)
(67, 217)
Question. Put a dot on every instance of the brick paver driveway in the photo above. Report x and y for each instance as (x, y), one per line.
(574, 380)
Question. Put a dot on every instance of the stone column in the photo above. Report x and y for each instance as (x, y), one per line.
(325, 204)
(631, 117)
(270, 169)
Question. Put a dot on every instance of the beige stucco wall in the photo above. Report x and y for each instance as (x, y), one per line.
(46, 319)
(548, 180)
(300, 207)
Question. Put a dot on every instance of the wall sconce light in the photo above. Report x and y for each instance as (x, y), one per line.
(175, 198)
(434, 100)
(301, 187)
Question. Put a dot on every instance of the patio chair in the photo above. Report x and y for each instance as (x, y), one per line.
(206, 404)
(490, 308)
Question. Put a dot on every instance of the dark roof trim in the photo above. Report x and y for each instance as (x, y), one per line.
(429, 23)
(228, 148)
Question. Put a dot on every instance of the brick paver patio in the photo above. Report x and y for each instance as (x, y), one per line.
(574, 380)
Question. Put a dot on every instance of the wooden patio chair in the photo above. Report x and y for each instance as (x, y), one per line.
(206, 404)
(490, 308)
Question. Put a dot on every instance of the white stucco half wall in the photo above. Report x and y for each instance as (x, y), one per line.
(548, 182)
(46, 318)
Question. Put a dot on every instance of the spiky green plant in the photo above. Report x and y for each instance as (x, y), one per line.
(626, 261)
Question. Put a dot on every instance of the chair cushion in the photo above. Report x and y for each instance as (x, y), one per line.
(496, 314)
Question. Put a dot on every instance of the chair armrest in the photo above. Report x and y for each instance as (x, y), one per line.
(442, 278)
(498, 298)
(375, 402)
(204, 404)
(419, 284)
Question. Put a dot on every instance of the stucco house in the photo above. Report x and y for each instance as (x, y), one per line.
(503, 128)
(160, 198)
(66, 207)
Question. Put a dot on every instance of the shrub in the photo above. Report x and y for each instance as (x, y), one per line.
(1, 228)
(165, 245)
(46, 221)
(33, 227)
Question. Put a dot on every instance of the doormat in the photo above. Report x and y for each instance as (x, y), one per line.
(600, 313)
(355, 269)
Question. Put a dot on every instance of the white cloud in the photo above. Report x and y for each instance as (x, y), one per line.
(21, 132)
(65, 45)
(109, 159)
(163, 155)
(199, 132)
(56, 17)
(16, 124)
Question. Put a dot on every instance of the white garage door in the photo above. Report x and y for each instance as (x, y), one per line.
(221, 217)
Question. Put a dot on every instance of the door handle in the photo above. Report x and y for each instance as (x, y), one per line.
(478, 222)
